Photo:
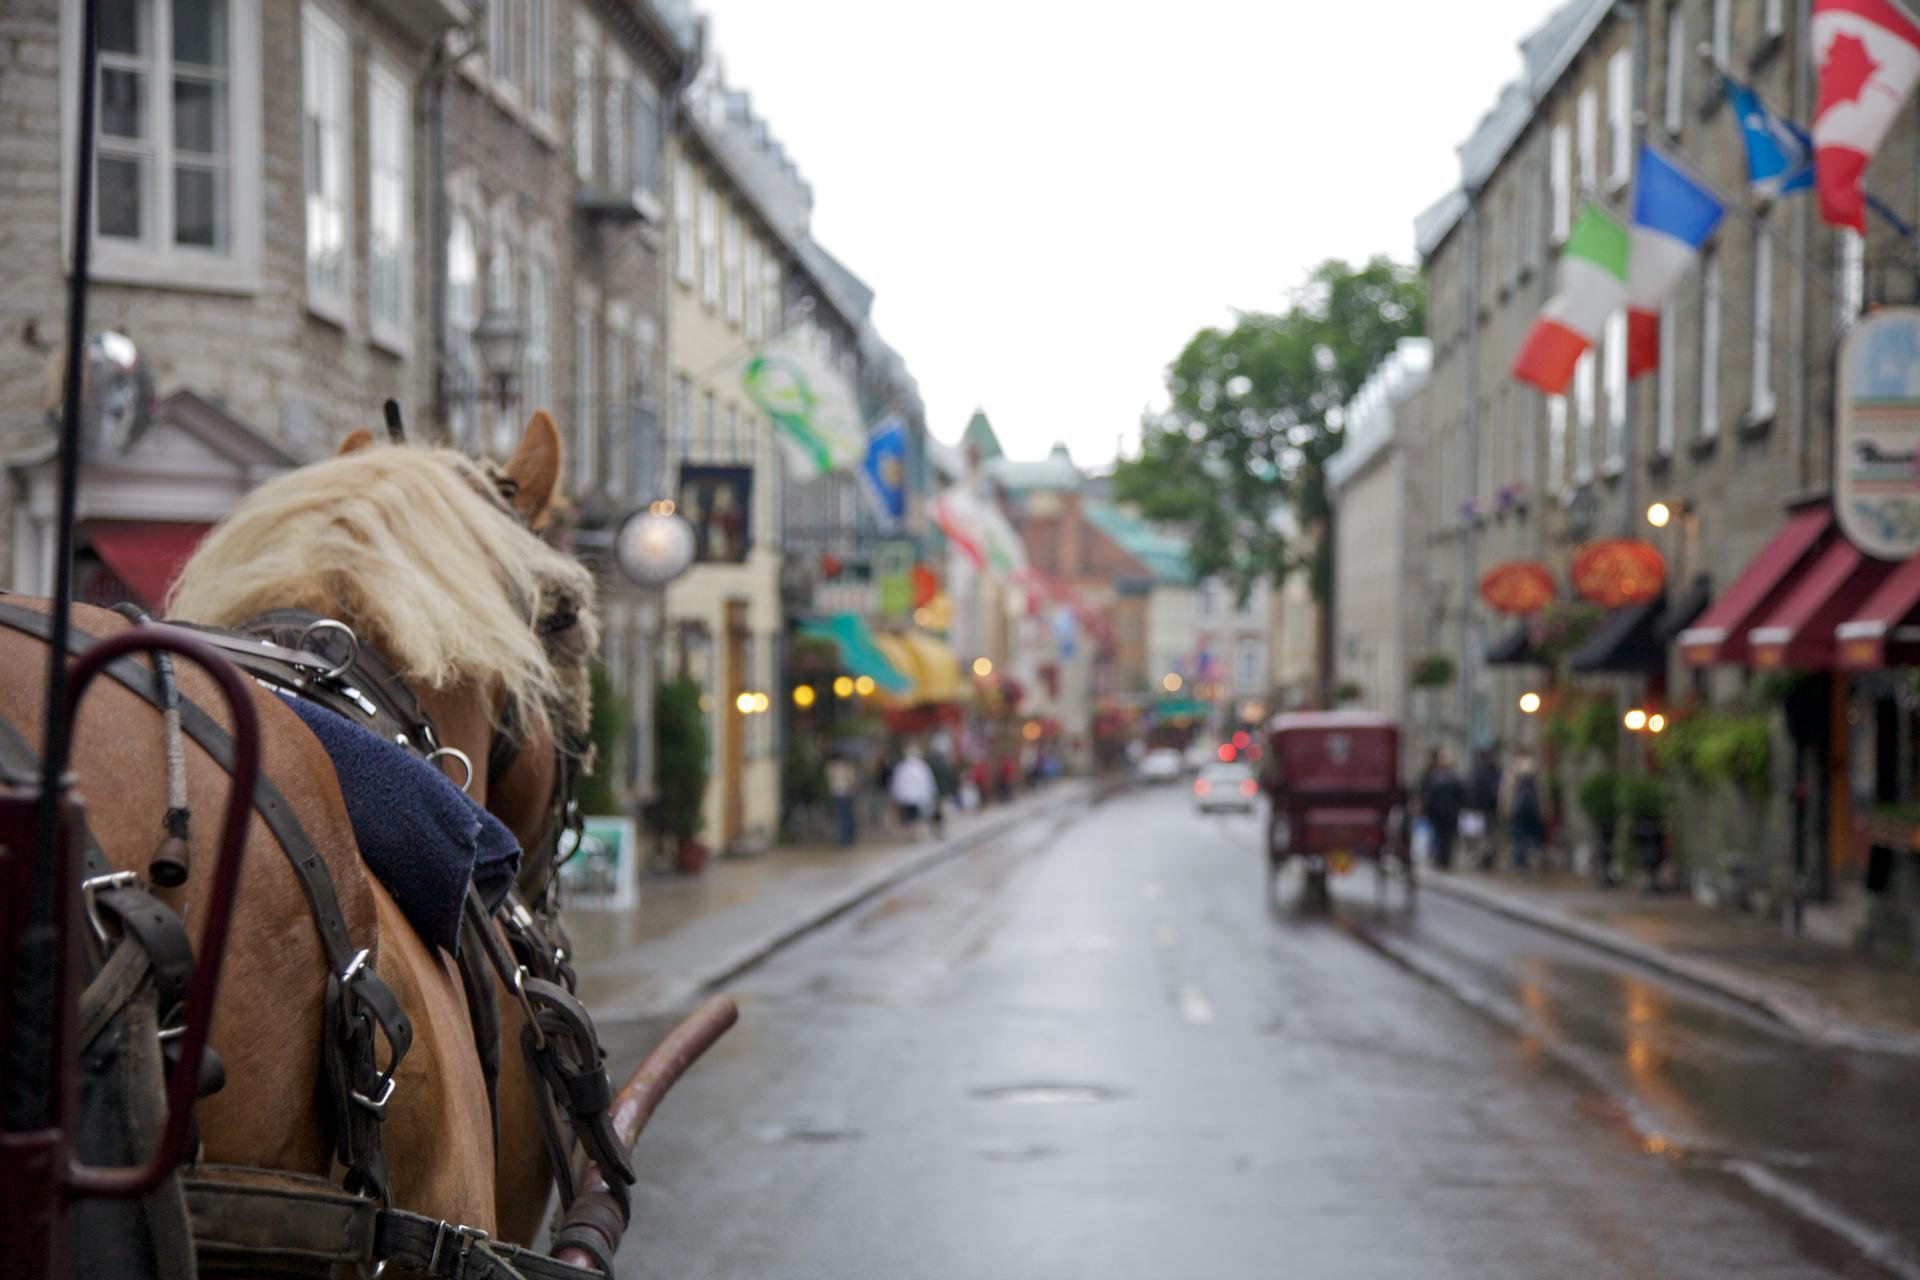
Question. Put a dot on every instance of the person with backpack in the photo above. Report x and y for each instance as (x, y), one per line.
(1442, 796)
(1526, 814)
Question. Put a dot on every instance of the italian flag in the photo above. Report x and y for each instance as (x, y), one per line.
(1593, 285)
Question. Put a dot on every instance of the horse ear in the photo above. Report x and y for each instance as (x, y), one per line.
(357, 439)
(534, 469)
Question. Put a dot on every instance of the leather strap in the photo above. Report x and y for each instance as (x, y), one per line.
(358, 1003)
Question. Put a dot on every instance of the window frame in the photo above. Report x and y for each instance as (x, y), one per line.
(464, 413)
(683, 221)
(585, 112)
(157, 261)
(586, 391)
(1560, 182)
(708, 201)
(1618, 388)
(1587, 142)
(615, 356)
(1720, 32)
(1762, 400)
(537, 353)
(538, 52)
(316, 23)
(394, 333)
(1710, 337)
(1667, 396)
(1585, 414)
(1675, 105)
(730, 252)
(1620, 119)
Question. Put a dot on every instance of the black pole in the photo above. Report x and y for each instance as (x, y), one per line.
(31, 1101)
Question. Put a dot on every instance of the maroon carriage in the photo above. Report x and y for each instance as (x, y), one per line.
(1334, 781)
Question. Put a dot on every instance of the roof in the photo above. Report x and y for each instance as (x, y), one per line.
(979, 436)
(1055, 471)
(1369, 424)
(1545, 55)
(1165, 554)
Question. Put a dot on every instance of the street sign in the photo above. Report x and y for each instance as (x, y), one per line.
(1876, 430)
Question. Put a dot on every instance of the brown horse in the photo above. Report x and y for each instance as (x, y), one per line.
(433, 562)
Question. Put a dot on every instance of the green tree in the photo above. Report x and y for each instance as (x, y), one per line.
(1255, 414)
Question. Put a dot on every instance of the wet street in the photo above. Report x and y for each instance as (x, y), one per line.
(1098, 1049)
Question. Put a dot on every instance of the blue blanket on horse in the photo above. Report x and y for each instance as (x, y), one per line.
(420, 835)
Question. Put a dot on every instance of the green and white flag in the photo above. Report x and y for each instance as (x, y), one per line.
(815, 415)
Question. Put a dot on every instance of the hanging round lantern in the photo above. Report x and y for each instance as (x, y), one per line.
(1613, 572)
(654, 545)
(1517, 587)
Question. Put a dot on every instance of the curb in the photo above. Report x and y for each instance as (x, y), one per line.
(853, 895)
(1803, 1017)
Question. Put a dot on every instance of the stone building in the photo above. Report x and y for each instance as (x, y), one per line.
(1732, 432)
(1378, 498)
(305, 209)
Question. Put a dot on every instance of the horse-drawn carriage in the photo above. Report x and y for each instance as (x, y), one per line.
(335, 1036)
(1333, 778)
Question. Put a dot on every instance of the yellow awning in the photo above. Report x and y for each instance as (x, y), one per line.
(927, 661)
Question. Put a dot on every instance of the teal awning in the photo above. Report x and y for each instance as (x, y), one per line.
(858, 653)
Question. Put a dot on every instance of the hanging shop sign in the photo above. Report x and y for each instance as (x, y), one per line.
(1618, 571)
(718, 503)
(1876, 423)
(1517, 587)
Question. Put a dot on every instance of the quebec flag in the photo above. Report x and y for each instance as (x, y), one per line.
(884, 473)
(1779, 152)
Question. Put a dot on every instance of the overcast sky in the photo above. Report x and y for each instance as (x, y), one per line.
(1051, 196)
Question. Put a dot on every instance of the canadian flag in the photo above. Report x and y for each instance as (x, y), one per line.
(1868, 56)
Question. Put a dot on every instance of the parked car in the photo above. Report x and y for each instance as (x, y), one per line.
(1225, 788)
(1162, 764)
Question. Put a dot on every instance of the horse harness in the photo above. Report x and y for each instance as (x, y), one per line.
(289, 1224)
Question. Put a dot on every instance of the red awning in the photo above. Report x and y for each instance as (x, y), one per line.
(1878, 634)
(1799, 630)
(147, 555)
(1720, 635)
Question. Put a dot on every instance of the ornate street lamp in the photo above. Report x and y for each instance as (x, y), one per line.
(499, 338)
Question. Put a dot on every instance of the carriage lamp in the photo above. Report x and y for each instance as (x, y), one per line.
(1171, 682)
(864, 686)
(499, 338)
(1529, 703)
(1656, 723)
(1636, 720)
(803, 695)
(843, 686)
(983, 667)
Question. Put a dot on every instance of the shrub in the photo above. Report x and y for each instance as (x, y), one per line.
(1737, 749)
(1434, 671)
(1596, 726)
(605, 729)
(1643, 798)
(1599, 797)
(680, 737)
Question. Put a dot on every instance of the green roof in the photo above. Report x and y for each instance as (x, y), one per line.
(1162, 552)
(979, 435)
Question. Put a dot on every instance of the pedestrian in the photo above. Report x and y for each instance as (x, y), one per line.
(982, 780)
(913, 789)
(946, 782)
(1008, 773)
(1479, 820)
(843, 792)
(1442, 797)
(1526, 816)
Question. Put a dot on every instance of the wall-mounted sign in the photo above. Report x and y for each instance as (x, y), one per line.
(1618, 571)
(1876, 424)
(1517, 587)
(718, 503)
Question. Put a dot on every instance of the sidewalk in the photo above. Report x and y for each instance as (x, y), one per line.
(691, 933)
(1827, 993)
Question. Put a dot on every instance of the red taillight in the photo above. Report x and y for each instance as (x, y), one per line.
(1226, 753)
(1201, 787)
(1240, 740)
(1249, 787)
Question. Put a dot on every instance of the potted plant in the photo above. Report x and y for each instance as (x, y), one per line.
(1599, 798)
(680, 740)
(597, 793)
(1645, 802)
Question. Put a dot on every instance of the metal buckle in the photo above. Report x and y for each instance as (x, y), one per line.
(468, 1238)
(353, 646)
(355, 965)
(457, 754)
(376, 1105)
(520, 977)
(91, 886)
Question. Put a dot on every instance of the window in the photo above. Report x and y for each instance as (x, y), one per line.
(327, 91)
(389, 120)
(645, 140)
(1583, 415)
(709, 245)
(1677, 54)
(1710, 347)
(682, 416)
(537, 70)
(1773, 17)
(1850, 289)
(1722, 33)
(683, 221)
(733, 434)
(1587, 119)
(1560, 179)
(1251, 609)
(1664, 430)
(503, 296)
(1762, 392)
(503, 40)
(1620, 117)
(1246, 666)
(583, 97)
(1614, 349)
(712, 418)
(1203, 600)
(616, 415)
(463, 314)
(770, 291)
(750, 285)
(730, 268)
(614, 105)
(586, 407)
(539, 380)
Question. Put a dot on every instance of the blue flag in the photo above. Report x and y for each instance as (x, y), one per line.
(1779, 152)
(884, 473)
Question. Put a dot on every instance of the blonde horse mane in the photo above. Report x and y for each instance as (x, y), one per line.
(413, 549)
